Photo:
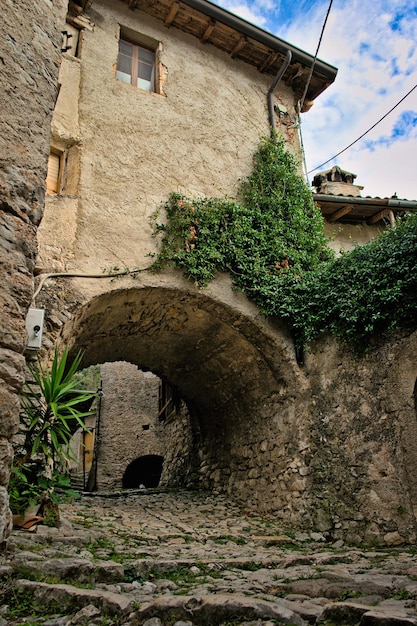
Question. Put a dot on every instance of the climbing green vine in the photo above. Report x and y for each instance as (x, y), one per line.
(272, 243)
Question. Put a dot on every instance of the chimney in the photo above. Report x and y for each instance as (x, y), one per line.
(336, 182)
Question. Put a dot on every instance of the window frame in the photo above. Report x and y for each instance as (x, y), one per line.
(168, 400)
(135, 64)
(54, 184)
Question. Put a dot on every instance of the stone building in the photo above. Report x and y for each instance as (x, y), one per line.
(157, 97)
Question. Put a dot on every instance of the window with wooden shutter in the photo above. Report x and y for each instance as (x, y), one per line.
(169, 400)
(54, 173)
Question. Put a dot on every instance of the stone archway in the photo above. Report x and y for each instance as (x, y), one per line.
(145, 470)
(238, 377)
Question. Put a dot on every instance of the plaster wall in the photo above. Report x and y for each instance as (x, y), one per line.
(57, 231)
(344, 237)
(65, 122)
(196, 137)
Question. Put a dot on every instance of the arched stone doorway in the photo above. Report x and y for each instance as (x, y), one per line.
(237, 375)
(145, 470)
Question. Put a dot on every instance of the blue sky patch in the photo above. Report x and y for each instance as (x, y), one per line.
(373, 43)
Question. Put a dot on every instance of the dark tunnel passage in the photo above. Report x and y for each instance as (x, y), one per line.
(233, 371)
(145, 470)
(218, 358)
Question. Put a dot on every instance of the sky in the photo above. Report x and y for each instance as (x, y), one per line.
(373, 43)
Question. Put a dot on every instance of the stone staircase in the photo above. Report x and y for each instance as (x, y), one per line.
(77, 481)
(176, 558)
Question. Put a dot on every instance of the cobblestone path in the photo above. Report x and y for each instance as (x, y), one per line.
(183, 558)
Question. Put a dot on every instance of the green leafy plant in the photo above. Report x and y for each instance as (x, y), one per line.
(52, 409)
(349, 593)
(267, 241)
(273, 245)
(274, 231)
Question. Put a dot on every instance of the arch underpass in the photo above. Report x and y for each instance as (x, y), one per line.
(237, 375)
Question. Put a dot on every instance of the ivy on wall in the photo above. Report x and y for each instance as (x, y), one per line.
(273, 245)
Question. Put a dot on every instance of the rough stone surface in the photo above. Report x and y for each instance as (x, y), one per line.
(129, 421)
(29, 53)
(328, 445)
(225, 571)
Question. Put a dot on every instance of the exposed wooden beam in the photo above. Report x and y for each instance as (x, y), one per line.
(240, 44)
(172, 13)
(340, 213)
(270, 60)
(380, 215)
(208, 31)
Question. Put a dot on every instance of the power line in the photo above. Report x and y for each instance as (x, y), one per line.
(301, 102)
(365, 133)
(315, 56)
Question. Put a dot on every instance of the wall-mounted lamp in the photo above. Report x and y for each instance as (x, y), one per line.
(34, 328)
(282, 112)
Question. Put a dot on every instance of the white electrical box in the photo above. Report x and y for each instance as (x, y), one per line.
(34, 327)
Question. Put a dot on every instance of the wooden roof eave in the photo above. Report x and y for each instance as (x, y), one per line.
(241, 40)
(355, 210)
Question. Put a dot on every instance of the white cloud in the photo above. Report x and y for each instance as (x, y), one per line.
(375, 51)
(373, 43)
(248, 11)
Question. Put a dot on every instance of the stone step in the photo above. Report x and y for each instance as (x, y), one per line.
(71, 569)
(135, 562)
(202, 610)
(68, 598)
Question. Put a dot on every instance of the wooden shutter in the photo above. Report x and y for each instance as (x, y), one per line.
(52, 177)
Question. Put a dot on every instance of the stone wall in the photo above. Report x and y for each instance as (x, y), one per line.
(363, 433)
(328, 445)
(29, 59)
(129, 428)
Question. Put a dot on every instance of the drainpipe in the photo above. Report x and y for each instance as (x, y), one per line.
(272, 88)
(92, 477)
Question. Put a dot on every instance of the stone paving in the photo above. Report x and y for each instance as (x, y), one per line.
(155, 558)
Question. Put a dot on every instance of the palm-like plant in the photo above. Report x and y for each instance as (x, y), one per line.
(52, 409)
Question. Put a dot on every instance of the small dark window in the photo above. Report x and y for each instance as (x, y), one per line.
(169, 400)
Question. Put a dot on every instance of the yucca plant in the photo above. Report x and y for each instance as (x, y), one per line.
(52, 410)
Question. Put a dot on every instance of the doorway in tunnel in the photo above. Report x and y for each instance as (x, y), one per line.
(144, 432)
(144, 471)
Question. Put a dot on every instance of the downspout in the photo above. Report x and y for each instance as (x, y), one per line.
(92, 477)
(271, 111)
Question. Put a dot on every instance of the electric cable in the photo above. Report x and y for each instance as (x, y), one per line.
(45, 277)
(365, 133)
(301, 102)
(315, 56)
